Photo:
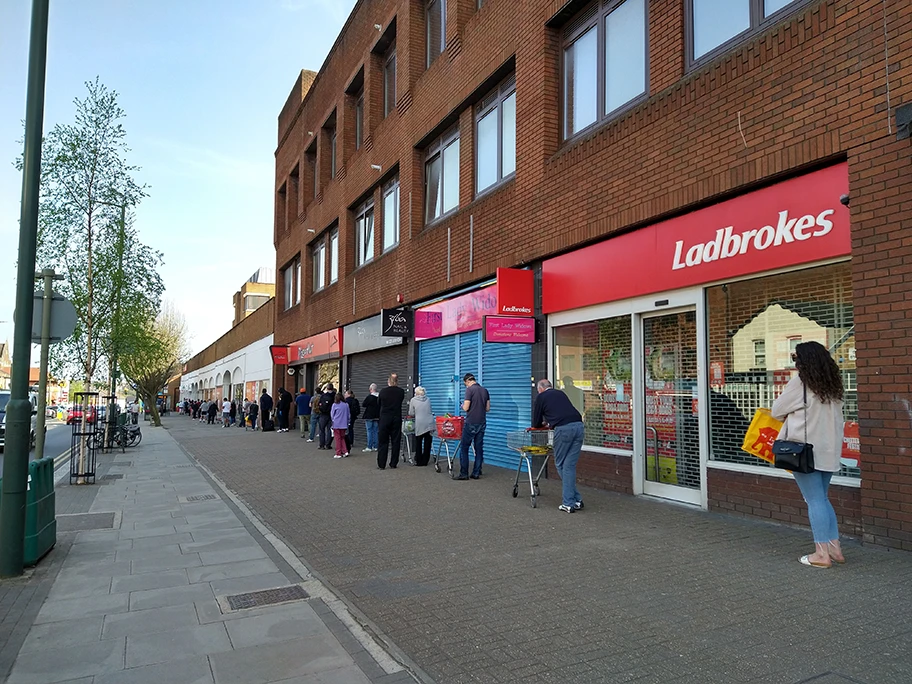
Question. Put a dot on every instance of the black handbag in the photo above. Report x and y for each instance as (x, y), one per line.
(795, 456)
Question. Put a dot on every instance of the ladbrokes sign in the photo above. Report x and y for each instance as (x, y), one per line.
(794, 222)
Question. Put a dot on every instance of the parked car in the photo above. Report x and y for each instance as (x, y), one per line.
(4, 400)
(75, 414)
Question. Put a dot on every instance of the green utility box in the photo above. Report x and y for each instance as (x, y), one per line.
(40, 511)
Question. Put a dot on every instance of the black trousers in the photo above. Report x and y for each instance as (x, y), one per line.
(389, 441)
(350, 436)
(423, 445)
(325, 432)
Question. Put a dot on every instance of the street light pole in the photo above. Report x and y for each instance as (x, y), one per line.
(19, 408)
(49, 277)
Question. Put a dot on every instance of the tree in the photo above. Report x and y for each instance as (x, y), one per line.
(87, 234)
(155, 354)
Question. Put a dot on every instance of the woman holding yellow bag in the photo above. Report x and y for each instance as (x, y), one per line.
(811, 405)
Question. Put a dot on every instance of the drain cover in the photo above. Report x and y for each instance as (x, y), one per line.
(118, 476)
(267, 597)
(201, 497)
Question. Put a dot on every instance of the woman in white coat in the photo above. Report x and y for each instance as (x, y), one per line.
(420, 408)
(811, 408)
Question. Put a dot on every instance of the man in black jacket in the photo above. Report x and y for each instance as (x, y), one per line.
(391, 398)
(555, 410)
(284, 410)
(327, 398)
(354, 410)
(265, 406)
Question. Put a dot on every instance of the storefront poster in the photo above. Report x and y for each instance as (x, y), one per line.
(367, 335)
(515, 329)
(793, 222)
(326, 345)
(515, 292)
(458, 315)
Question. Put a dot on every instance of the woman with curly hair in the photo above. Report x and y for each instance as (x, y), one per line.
(811, 404)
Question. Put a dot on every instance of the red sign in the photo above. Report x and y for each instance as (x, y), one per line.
(325, 345)
(279, 354)
(515, 292)
(793, 222)
(851, 444)
(460, 314)
(509, 329)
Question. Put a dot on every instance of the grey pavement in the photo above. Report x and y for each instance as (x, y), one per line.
(145, 589)
(473, 585)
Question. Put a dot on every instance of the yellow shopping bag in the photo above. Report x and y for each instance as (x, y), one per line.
(761, 434)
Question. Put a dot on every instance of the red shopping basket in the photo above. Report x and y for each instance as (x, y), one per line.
(450, 427)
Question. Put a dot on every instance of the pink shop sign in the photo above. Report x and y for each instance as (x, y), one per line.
(458, 315)
(509, 329)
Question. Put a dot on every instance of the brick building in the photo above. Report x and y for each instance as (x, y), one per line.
(687, 190)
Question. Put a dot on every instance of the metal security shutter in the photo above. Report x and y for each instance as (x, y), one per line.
(376, 366)
(506, 373)
(436, 368)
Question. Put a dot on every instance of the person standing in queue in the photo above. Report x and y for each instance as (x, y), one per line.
(302, 403)
(354, 410)
(265, 406)
(285, 419)
(390, 427)
(327, 399)
(371, 406)
(476, 405)
(555, 410)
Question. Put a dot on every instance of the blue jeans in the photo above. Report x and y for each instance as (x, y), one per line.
(314, 421)
(814, 487)
(568, 441)
(372, 426)
(472, 433)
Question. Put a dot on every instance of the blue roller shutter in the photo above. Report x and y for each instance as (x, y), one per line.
(436, 367)
(506, 373)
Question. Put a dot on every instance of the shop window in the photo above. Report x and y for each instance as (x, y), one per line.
(435, 20)
(333, 255)
(593, 367)
(389, 81)
(364, 233)
(391, 214)
(716, 23)
(595, 87)
(318, 259)
(778, 312)
(495, 136)
(441, 176)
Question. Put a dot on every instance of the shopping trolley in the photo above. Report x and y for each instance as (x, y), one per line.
(449, 429)
(530, 442)
(408, 434)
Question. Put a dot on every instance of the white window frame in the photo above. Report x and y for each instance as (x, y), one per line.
(364, 249)
(389, 78)
(437, 151)
(492, 105)
(391, 219)
(288, 289)
(333, 256)
(318, 259)
(442, 10)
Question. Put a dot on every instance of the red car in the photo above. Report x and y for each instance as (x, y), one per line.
(75, 414)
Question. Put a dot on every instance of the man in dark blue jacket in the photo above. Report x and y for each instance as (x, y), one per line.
(265, 406)
(555, 410)
(302, 401)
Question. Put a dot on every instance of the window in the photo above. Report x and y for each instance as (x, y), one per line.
(364, 234)
(792, 348)
(391, 214)
(359, 120)
(333, 256)
(441, 176)
(495, 136)
(318, 253)
(596, 87)
(389, 82)
(254, 302)
(435, 18)
(774, 314)
(760, 354)
(291, 281)
(716, 22)
(311, 156)
(332, 152)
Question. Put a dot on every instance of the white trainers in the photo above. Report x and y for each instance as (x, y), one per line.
(309, 440)
(365, 450)
(345, 454)
(337, 456)
(566, 509)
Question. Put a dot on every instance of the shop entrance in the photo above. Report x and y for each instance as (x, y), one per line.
(667, 404)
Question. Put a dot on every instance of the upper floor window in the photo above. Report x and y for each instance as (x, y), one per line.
(359, 119)
(495, 136)
(604, 62)
(311, 157)
(364, 233)
(389, 81)
(318, 259)
(291, 279)
(435, 18)
(332, 152)
(391, 214)
(441, 176)
(333, 255)
(715, 22)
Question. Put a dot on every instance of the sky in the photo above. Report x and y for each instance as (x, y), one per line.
(202, 83)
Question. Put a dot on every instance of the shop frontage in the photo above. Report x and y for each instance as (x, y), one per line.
(669, 338)
(471, 334)
(317, 359)
(370, 357)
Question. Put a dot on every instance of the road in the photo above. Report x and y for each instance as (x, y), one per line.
(56, 442)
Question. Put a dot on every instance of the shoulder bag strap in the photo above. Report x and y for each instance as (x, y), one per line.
(804, 387)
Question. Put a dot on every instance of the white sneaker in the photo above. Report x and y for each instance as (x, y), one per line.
(345, 454)
(336, 456)
(365, 450)
(310, 440)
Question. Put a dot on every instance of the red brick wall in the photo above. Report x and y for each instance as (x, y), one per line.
(808, 90)
(777, 499)
(605, 471)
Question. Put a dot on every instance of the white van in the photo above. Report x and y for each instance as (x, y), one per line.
(4, 400)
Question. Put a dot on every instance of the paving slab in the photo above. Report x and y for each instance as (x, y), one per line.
(60, 664)
(252, 552)
(169, 596)
(278, 661)
(63, 634)
(185, 671)
(71, 609)
(149, 621)
(155, 580)
(148, 649)
(301, 622)
(222, 571)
